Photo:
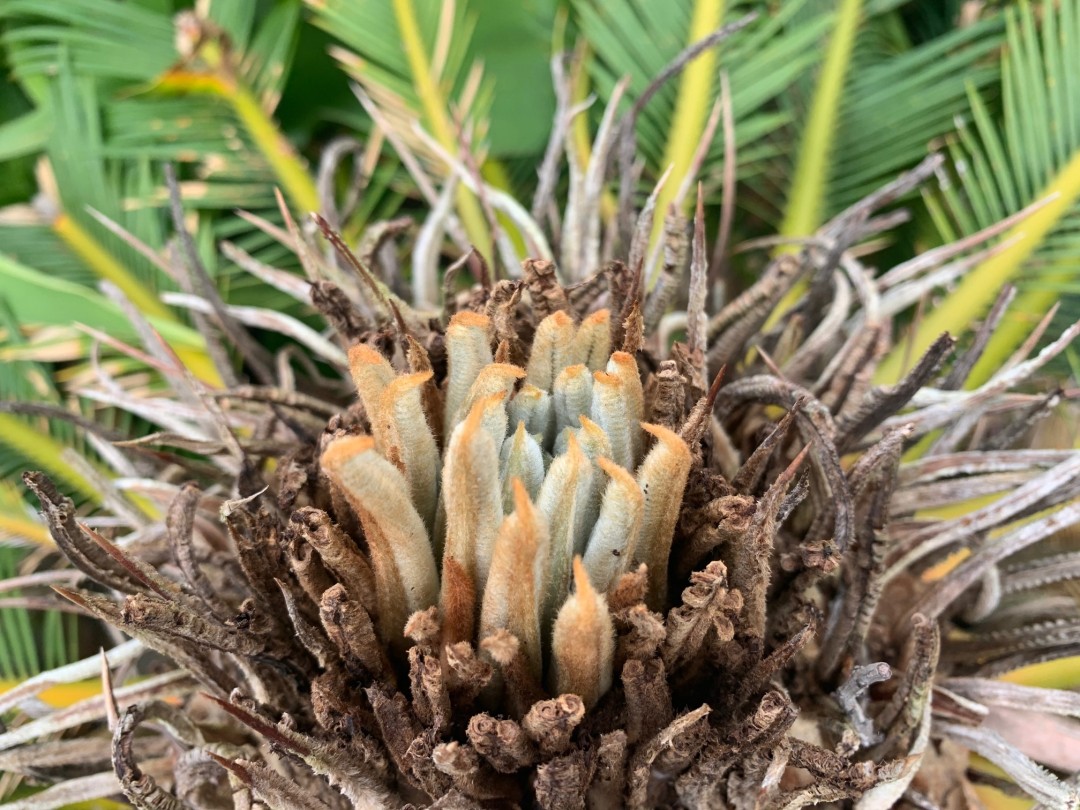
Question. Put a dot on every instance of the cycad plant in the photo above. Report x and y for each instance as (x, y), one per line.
(111, 89)
(575, 534)
(547, 558)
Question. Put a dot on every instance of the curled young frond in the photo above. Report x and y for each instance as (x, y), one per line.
(401, 556)
(512, 598)
(583, 642)
(662, 478)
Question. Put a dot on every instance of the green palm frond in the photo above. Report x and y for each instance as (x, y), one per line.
(897, 103)
(29, 440)
(805, 204)
(110, 114)
(638, 38)
(106, 98)
(997, 168)
(24, 134)
(30, 639)
(119, 99)
(877, 104)
(860, 137)
(374, 31)
(513, 41)
(413, 59)
(18, 652)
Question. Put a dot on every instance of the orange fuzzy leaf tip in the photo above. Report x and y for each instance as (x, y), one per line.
(582, 586)
(362, 354)
(668, 437)
(470, 319)
(522, 504)
(616, 471)
(345, 448)
(625, 360)
(601, 316)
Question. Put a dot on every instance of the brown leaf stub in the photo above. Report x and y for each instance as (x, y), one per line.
(471, 775)
(550, 723)
(606, 788)
(350, 629)
(561, 782)
(503, 743)
(708, 608)
(332, 302)
(398, 727)
(648, 698)
(521, 689)
(338, 554)
(640, 634)
(545, 291)
(430, 697)
(468, 674)
(752, 566)
(666, 756)
(667, 396)
(502, 309)
(633, 330)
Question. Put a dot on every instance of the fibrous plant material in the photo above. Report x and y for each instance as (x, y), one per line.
(538, 556)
